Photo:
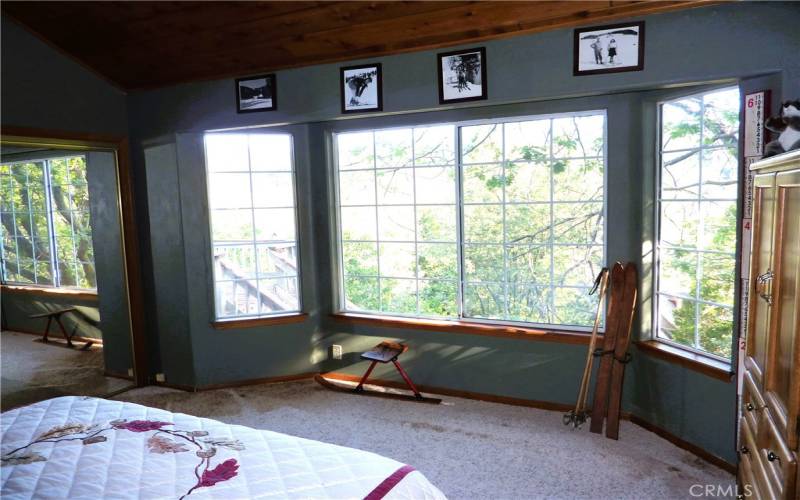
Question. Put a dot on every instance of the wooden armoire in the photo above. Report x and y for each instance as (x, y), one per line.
(769, 422)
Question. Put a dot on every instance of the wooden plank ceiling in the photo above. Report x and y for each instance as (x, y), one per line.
(150, 44)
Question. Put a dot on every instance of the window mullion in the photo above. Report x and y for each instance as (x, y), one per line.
(253, 232)
(377, 219)
(416, 231)
(72, 224)
(51, 224)
(700, 230)
(14, 218)
(462, 279)
(551, 236)
(32, 227)
(505, 240)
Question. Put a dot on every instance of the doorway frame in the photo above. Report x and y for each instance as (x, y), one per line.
(130, 238)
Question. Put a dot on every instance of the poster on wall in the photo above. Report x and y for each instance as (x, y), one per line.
(755, 106)
(256, 93)
(613, 48)
(361, 88)
(462, 75)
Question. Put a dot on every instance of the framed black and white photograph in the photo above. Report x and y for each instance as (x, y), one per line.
(362, 88)
(612, 48)
(256, 93)
(462, 75)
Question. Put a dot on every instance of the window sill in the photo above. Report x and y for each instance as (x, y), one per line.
(50, 292)
(694, 361)
(232, 324)
(496, 330)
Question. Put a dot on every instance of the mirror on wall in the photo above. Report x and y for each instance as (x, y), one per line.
(66, 320)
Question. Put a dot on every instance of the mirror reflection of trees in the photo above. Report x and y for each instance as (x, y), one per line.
(45, 223)
(698, 208)
(533, 218)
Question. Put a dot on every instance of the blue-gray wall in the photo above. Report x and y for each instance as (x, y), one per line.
(109, 261)
(44, 89)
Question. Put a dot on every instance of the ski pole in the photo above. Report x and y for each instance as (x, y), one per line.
(577, 416)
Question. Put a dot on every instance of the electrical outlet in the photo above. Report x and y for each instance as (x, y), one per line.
(130, 372)
(160, 377)
(336, 351)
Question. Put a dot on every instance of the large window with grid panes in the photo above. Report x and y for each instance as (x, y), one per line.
(45, 223)
(698, 187)
(253, 224)
(494, 221)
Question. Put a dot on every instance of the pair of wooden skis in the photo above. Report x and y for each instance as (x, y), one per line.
(613, 354)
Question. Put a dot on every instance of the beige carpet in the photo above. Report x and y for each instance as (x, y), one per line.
(469, 449)
(33, 371)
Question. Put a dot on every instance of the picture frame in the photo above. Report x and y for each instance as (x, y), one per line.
(462, 75)
(611, 48)
(361, 88)
(256, 93)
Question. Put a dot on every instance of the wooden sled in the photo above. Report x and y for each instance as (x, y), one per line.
(385, 352)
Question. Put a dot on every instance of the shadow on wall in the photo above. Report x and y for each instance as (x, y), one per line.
(18, 311)
(446, 355)
(457, 366)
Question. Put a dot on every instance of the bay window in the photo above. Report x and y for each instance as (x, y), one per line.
(495, 221)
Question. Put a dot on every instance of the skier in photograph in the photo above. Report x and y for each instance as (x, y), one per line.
(463, 83)
(612, 50)
(358, 84)
(598, 52)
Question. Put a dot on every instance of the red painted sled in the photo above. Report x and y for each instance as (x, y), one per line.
(385, 352)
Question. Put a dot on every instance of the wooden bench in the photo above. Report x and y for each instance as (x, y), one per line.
(90, 315)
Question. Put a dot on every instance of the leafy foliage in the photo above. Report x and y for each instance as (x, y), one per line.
(698, 229)
(25, 212)
(533, 218)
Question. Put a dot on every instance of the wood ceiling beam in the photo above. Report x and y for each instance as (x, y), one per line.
(340, 45)
(441, 28)
(149, 44)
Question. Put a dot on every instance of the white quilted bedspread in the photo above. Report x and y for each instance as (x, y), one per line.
(77, 447)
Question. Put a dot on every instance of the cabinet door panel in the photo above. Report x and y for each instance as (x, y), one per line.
(782, 366)
(764, 197)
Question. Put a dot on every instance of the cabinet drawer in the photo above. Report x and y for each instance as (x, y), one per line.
(753, 403)
(750, 457)
(747, 484)
(778, 460)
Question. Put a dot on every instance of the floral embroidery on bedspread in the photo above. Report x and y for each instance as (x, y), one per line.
(163, 440)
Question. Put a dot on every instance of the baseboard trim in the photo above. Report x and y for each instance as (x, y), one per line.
(548, 405)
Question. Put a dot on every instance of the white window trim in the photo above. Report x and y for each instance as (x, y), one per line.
(295, 209)
(657, 231)
(337, 254)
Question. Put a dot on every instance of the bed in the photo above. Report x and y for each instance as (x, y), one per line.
(80, 447)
